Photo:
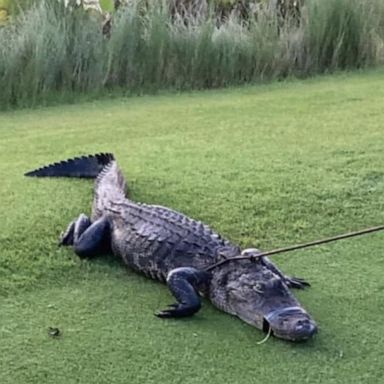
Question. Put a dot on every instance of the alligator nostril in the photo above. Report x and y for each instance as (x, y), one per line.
(306, 328)
(312, 329)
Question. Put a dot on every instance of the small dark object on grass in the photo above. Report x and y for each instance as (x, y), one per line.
(54, 332)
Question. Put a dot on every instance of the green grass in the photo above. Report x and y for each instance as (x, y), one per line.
(266, 166)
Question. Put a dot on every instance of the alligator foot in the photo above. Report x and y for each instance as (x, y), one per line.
(66, 238)
(87, 238)
(292, 282)
(178, 310)
(75, 230)
(296, 282)
(184, 284)
(165, 313)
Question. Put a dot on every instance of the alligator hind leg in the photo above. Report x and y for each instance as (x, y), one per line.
(88, 239)
(184, 284)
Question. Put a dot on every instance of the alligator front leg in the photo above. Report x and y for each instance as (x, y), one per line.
(291, 281)
(184, 284)
(88, 239)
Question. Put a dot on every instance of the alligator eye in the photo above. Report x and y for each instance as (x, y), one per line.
(258, 288)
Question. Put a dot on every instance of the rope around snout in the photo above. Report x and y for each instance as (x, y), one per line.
(298, 246)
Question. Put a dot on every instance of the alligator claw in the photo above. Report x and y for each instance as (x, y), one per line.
(178, 310)
(296, 282)
(164, 314)
(66, 238)
(167, 312)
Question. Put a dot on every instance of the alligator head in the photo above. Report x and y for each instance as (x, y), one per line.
(259, 296)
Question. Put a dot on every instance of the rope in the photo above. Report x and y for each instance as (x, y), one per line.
(266, 337)
(298, 246)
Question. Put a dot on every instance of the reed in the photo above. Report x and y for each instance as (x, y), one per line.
(50, 53)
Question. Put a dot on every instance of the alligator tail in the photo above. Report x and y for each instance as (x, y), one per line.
(84, 167)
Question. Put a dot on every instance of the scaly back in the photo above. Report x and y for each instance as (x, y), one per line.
(110, 186)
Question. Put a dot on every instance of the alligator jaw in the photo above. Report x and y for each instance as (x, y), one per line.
(291, 323)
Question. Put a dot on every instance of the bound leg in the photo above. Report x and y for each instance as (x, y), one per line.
(184, 284)
(292, 282)
(88, 239)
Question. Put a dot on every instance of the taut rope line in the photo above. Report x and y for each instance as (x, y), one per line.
(299, 246)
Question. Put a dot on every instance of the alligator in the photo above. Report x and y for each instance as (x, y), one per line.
(169, 246)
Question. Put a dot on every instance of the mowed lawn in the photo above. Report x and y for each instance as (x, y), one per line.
(266, 166)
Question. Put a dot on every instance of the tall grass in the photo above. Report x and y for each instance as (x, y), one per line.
(49, 52)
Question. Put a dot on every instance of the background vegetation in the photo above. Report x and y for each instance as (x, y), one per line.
(286, 163)
(50, 53)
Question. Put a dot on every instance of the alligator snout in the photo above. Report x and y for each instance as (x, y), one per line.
(304, 329)
(291, 323)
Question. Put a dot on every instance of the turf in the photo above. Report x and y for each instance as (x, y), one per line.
(266, 166)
